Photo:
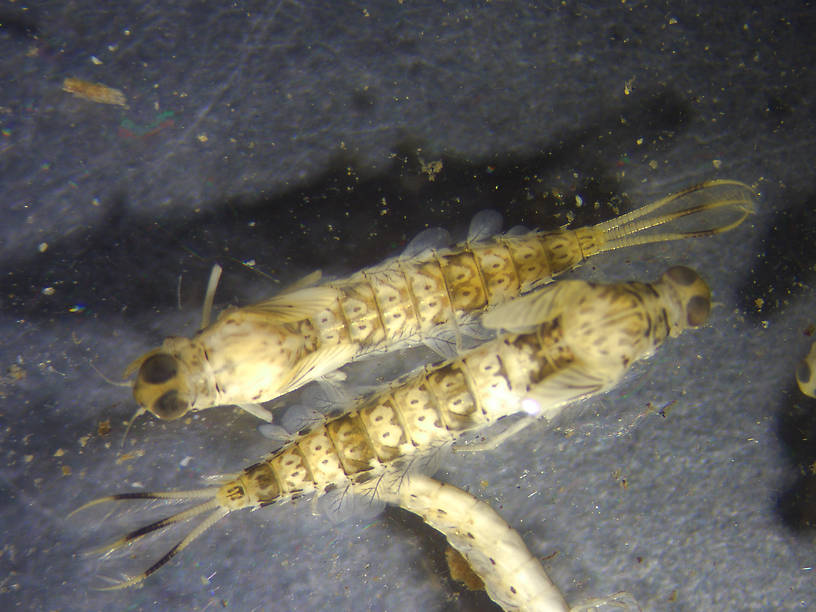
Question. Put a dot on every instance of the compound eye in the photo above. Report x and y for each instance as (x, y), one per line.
(683, 276)
(169, 406)
(158, 369)
(803, 373)
(692, 293)
(697, 310)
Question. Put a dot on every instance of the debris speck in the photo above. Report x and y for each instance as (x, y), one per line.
(103, 429)
(128, 456)
(431, 168)
(94, 92)
(15, 372)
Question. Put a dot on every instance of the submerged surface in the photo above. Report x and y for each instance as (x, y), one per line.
(280, 140)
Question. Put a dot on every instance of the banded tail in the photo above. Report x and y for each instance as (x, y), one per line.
(707, 209)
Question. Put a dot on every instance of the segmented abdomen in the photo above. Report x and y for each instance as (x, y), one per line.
(421, 413)
(407, 298)
(601, 328)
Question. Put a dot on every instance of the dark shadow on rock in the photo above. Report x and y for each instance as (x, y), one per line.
(340, 221)
(796, 505)
(785, 261)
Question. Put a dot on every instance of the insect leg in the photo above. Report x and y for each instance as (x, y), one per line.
(497, 440)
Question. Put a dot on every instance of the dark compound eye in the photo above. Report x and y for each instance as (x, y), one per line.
(158, 369)
(803, 372)
(697, 310)
(169, 406)
(682, 275)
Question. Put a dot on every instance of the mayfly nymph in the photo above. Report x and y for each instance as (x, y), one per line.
(257, 353)
(564, 342)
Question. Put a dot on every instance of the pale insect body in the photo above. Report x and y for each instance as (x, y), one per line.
(494, 551)
(806, 373)
(512, 576)
(568, 341)
(254, 354)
